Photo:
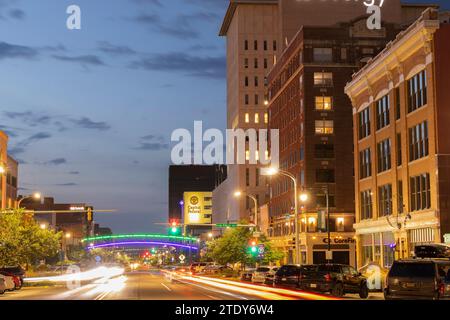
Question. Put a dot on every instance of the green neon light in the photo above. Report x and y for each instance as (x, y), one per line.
(122, 236)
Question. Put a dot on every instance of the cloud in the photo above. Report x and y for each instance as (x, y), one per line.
(32, 119)
(56, 162)
(13, 51)
(17, 14)
(21, 146)
(152, 143)
(204, 67)
(69, 184)
(117, 50)
(181, 27)
(87, 123)
(84, 60)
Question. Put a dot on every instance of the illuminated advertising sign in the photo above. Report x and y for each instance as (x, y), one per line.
(197, 207)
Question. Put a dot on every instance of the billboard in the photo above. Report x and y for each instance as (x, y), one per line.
(197, 208)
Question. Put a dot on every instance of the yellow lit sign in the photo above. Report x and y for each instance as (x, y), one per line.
(197, 207)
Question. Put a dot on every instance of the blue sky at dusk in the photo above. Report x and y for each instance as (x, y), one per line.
(90, 112)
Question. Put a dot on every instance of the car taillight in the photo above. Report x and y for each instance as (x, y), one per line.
(442, 288)
(327, 277)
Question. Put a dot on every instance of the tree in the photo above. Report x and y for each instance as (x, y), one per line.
(23, 241)
(234, 247)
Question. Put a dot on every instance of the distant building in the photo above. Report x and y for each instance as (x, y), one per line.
(401, 120)
(101, 231)
(190, 179)
(11, 182)
(75, 226)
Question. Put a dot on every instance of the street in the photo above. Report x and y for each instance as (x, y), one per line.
(155, 286)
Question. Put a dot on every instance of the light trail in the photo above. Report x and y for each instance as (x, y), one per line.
(98, 273)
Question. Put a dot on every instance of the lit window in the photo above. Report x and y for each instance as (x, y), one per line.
(247, 155)
(323, 79)
(266, 117)
(256, 117)
(323, 54)
(324, 127)
(324, 103)
(257, 155)
(340, 225)
(247, 118)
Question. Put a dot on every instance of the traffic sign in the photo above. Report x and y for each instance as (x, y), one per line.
(182, 258)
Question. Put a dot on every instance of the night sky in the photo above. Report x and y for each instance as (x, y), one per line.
(90, 112)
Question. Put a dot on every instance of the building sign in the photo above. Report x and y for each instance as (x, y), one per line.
(447, 238)
(340, 240)
(197, 208)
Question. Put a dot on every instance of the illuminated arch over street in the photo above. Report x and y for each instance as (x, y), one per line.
(137, 240)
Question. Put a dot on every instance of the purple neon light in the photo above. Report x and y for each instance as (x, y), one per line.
(130, 243)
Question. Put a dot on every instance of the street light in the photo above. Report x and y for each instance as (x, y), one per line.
(272, 172)
(35, 195)
(43, 226)
(238, 194)
(2, 169)
(210, 235)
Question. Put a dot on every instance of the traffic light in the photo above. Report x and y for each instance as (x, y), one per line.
(175, 228)
(253, 247)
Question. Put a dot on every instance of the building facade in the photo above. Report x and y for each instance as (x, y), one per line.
(251, 31)
(307, 103)
(3, 168)
(189, 179)
(401, 146)
(12, 182)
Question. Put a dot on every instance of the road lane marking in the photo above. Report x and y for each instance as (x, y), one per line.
(166, 287)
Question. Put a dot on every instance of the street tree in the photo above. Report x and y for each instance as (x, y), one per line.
(23, 241)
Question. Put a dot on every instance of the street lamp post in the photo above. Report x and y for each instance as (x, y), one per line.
(237, 194)
(36, 196)
(272, 172)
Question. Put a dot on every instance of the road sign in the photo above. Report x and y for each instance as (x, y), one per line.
(98, 259)
(182, 258)
(261, 249)
(227, 225)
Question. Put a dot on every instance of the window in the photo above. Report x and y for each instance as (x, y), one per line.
(399, 149)
(343, 53)
(255, 45)
(420, 192)
(325, 176)
(340, 224)
(256, 99)
(324, 126)
(274, 45)
(302, 153)
(418, 141)
(384, 155)
(256, 63)
(323, 54)
(385, 200)
(366, 205)
(247, 155)
(266, 118)
(324, 151)
(364, 123)
(324, 103)
(321, 201)
(265, 45)
(256, 117)
(247, 99)
(382, 112)
(323, 79)
(257, 176)
(400, 196)
(417, 91)
(247, 118)
(246, 63)
(247, 177)
(397, 103)
(265, 63)
(256, 81)
(246, 45)
(365, 164)
(246, 81)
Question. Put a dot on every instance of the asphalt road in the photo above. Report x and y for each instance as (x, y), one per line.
(155, 286)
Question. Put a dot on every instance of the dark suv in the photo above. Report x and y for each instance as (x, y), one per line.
(337, 279)
(427, 278)
(289, 276)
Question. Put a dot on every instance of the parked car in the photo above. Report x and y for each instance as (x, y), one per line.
(2, 286)
(9, 282)
(16, 279)
(15, 270)
(337, 279)
(270, 276)
(217, 269)
(247, 274)
(259, 276)
(289, 276)
(198, 267)
(418, 279)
